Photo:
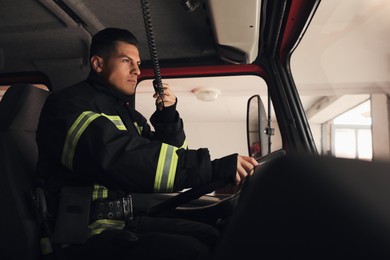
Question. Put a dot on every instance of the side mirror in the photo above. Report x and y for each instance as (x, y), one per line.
(256, 127)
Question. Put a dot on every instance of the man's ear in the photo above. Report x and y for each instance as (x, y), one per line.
(97, 63)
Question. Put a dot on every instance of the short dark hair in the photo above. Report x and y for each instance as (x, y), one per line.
(104, 41)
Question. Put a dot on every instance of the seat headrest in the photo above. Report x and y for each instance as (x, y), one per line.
(21, 106)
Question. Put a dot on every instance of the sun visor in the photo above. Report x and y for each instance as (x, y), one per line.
(236, 29)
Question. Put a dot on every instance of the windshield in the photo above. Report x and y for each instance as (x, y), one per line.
(219, 125)
(341, 62)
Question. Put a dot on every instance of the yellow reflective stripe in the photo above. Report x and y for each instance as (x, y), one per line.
(166, 168)
(73, 136)
(160, 167)
(139, 128)
(46, 247)
(77, 130)
(172, 170)
(117, 121)
(184, 145)
(99, 192)
(102, 224)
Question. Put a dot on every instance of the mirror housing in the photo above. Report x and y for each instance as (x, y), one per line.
(257, 128)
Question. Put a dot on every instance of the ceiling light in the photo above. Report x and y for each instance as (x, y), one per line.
(206, 94)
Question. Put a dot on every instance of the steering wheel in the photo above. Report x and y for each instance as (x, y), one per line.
(195, 193)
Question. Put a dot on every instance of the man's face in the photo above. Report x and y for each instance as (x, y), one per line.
(121, 68)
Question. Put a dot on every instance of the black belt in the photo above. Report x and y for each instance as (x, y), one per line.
(121, 209)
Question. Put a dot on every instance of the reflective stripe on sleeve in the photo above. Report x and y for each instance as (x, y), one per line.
(139, 128)
(77, 129)
(184, 145)
(166, 168)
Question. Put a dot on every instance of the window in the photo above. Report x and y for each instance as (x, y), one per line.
(3, 89)
(334, 69)
(219, 125)
(351, 133)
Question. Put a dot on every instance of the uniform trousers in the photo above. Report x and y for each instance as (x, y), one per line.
(150, 238)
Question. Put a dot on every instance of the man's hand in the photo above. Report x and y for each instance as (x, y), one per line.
(245, 167)
(169, 99)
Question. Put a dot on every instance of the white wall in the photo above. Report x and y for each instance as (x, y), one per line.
(221, 138)
(380, 127)
(317, 136)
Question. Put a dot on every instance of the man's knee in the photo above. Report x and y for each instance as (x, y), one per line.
(116, 244)
(168, 246)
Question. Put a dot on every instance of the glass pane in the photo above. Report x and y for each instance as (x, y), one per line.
(335, 70)
(219, 125)
(364, 144)
(345, 143)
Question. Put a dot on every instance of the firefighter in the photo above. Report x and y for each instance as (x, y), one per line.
(95, 150)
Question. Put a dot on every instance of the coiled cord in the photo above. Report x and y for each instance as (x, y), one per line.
(190, 5)
(157, 83)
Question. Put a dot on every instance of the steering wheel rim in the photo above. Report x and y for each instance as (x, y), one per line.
(195, 193)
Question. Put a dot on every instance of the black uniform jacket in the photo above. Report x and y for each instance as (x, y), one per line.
(88, 134)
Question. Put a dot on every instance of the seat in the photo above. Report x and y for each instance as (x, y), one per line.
(19, 115)
(312, 207)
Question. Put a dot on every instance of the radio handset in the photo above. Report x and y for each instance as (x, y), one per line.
(160, 91)
(157, 83)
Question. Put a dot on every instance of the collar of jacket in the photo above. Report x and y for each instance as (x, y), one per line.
(98, 83)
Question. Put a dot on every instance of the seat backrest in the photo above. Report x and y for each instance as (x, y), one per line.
(312, 207)
(20, 108)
